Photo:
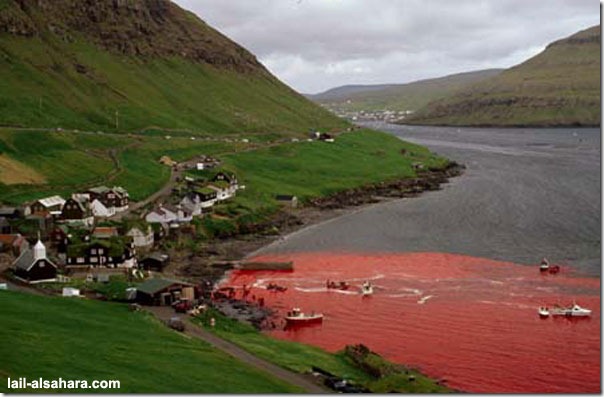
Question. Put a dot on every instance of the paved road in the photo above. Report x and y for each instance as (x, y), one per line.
(527, 193)
(165, 313)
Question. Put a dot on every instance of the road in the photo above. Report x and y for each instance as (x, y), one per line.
(165, 313)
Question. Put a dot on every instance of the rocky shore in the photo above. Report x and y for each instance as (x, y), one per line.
(211, 261)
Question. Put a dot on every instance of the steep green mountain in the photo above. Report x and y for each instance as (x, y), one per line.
(411, 96)
(129, 65)
(558, 87)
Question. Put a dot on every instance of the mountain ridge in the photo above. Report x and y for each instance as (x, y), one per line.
(558, 87)
(80, 64)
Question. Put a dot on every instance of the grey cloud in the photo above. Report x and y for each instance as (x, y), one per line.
(314, 45)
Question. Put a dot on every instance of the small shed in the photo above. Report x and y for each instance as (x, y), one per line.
(156, 262)
(287, 199)
(164, 292)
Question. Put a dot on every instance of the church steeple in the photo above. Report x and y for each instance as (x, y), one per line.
(39, 249)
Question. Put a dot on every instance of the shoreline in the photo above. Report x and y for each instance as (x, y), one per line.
(217, 257)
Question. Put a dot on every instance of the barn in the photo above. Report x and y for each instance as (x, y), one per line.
(164, 292)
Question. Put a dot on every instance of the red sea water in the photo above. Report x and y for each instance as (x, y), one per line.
(470, 321)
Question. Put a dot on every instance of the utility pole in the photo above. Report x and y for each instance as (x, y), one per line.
(117, 122)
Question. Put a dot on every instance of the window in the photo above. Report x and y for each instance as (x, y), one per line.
(41, 264)
(93, 251)
(80, 260)
(94, 260)
(101, 251)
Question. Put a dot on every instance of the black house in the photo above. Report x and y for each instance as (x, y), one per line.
(156, 262)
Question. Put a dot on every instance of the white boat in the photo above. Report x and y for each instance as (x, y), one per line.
(295, 316)
(366, 288)
(573, 311)
(544, 266)
(543, 311)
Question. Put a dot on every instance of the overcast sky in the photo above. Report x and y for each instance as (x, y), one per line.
(314, 45)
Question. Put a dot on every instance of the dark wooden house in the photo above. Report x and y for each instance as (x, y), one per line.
(107, 253)
(76, 210)
(115, 197)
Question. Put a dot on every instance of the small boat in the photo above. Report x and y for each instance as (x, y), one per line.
(275, 287)
(342, 285)
(295, 316)
(366, 289)
(572, 311)
(543, 312)
(544, 266)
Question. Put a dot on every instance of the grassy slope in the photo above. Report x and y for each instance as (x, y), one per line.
(411, 96)
(311, 169)
(40, 87)
(72, 161)
(301, 358)
(560, 86)
(77, 339)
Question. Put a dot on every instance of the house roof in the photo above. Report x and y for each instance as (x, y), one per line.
(102, 231)
(154, 285)
(52, 201)
(26, 260)
(99, 189)
(9, 239)
(7, 211)
(157, 256)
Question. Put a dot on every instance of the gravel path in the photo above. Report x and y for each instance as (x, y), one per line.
(165, 313)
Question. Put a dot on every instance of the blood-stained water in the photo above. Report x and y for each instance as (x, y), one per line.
(470, 321)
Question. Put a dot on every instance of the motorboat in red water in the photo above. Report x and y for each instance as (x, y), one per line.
(571, 311)
(295, 316)
(342, 285)
(544, 266)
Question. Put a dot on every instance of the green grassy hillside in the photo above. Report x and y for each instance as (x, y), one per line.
(129, 66)
(71, 161)
(78, 339)
(411, 96)
(558, 87)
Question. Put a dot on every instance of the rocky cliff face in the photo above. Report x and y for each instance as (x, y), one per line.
(142, 28)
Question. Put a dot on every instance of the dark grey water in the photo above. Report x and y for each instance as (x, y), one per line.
(527, 193)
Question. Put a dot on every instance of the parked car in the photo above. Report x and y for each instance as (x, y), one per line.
(177, 324)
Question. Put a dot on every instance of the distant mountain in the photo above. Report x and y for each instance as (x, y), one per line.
(558, 87)
(90, 64)
(409, 96)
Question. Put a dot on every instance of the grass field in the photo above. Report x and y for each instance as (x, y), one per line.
(299, 357)
(71, 161)
(53, 337)
(314, 169)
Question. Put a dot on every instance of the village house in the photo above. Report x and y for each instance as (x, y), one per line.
(49, 205)
(141, 237)
(169, 215)
(115, 198)
(10, 213)
(100, 211)
(223, 190)
(155, 261)
(111, 253)
(15, 244)
(163, 292)
(287, 199)
(192, 204)
(32, 266)
(59, 238)
(77, 211)
(206, 163)
(207, 197)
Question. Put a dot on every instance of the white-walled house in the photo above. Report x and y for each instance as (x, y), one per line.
(192, 204)
(100, 211)
(141, 237)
